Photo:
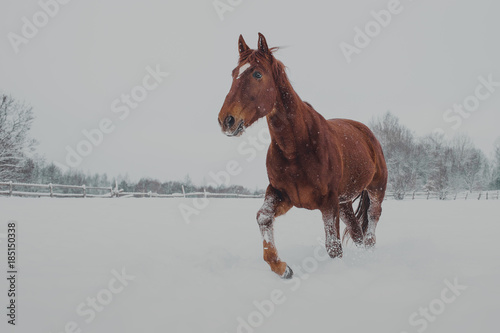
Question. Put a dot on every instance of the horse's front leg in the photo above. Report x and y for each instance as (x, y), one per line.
(275, 204)
(331, 220)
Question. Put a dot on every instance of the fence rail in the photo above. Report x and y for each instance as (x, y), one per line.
(83, 191)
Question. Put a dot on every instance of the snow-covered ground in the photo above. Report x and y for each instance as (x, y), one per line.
(135, 265)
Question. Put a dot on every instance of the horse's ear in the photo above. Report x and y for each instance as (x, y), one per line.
(263, 44)
(242, 46)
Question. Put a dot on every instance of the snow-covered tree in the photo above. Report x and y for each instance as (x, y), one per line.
(401, 152)
(469, 164)
(439, 163)
(15, 144)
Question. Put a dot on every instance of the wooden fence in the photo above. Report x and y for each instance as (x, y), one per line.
(83, 191)
(55, 190)
(463, 195)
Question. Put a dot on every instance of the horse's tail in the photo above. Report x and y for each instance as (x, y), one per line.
(362, 211)
(361, 215)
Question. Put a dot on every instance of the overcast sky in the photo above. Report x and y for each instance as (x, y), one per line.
(425, 60)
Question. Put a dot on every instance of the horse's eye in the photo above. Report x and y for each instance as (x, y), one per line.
(257, 75)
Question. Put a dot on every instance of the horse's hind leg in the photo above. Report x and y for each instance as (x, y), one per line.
(352, 224)
(374, 212)
(275, 204)
(331, 221)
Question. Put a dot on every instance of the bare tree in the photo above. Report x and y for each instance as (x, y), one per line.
(401, 153)
(439, 163)
(468, 163)
(15, 122)
(474, 163)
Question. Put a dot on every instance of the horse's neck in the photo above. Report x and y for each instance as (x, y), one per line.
(289, 122)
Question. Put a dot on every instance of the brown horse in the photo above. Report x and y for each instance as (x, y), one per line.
(312, 162)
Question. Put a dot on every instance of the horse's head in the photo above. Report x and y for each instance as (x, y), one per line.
(253, 92)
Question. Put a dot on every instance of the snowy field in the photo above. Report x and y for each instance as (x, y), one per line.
(135, 265)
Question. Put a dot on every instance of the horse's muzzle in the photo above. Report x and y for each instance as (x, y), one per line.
(230, 127)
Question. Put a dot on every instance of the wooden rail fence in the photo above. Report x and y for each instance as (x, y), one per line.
(54, 190)
(450, 195)
(83, 191)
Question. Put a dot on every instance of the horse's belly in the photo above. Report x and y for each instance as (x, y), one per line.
(306, 197)
(302, 191)
(305, 191)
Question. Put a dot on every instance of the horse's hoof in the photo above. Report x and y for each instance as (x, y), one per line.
(335, 250)
(288, 273)
(370, 241)
(358, 242)
(335, 253)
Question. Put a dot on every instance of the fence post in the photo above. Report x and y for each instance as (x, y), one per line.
(10, 188)
(51, 190)
(413, 196)
(486, 195)
(466, 195)
(456, 193)
(428, 193)
(479, 197)
(205, 192)
(183, 191)
(84, 191)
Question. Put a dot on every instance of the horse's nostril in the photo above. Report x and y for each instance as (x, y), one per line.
(229, 121)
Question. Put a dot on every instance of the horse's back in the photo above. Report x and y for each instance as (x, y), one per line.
(355, 129)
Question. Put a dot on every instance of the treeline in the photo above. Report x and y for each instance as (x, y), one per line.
(37, 171)
(146, 185)
(433, 163)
